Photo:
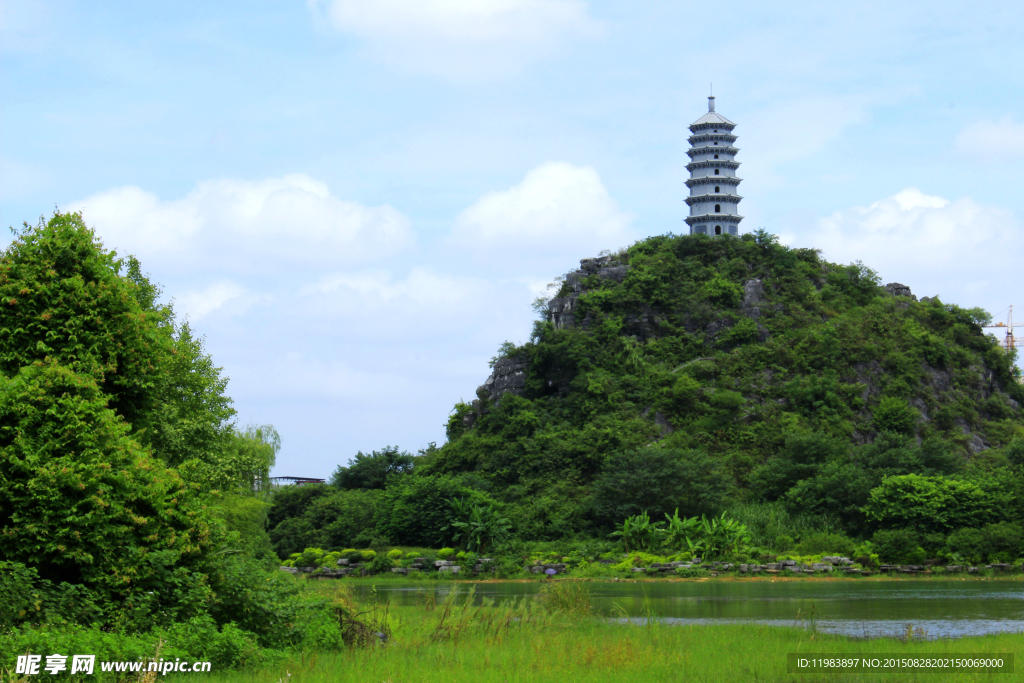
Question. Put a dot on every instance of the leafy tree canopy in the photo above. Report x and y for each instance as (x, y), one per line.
(372, 471)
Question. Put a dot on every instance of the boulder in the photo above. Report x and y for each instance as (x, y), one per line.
(451, 569)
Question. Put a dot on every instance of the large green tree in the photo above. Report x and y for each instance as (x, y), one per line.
(66, 298)
(80, 499)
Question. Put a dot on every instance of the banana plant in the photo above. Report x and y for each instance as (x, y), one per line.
(679, 530)
(639, 533)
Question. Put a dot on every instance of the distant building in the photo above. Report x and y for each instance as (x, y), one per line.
(713, 200)
(278, 482)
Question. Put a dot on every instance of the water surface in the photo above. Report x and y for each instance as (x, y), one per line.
(939, 609)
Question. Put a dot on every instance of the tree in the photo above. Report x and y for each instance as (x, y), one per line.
(372, 471)
(82, 501)
(415, 510)
(476, 527)
(62, 297)
(191, 418)
(655, 481)
(937, 504)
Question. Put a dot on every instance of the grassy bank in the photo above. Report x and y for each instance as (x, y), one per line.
(556, 637)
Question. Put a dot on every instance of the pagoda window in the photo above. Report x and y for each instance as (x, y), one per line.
(718, 208)
(718, 229)
(716, 156)
(716, 188)
(716, 171)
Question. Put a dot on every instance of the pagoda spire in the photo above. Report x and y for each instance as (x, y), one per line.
(713, 200)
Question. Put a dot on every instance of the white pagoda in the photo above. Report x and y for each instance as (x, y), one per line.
(713, 201)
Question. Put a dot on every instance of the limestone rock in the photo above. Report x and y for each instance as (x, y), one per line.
(896, 289)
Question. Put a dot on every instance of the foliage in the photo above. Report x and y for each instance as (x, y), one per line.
(638, 533)
(655, 481)
(82, 501)
(998, 542)
(898, 546)
(414, 510)
(476, 527)
(895, 415)
(372, 471)
(932, 503)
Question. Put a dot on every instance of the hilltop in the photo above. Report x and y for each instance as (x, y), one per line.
(695, 372)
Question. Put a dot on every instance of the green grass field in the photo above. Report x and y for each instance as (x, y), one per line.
(558, 638)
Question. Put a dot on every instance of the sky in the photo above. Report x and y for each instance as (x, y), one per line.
(357, 202)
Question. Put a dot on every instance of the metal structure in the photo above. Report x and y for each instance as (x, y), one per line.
(277, 482)
(1009, 342)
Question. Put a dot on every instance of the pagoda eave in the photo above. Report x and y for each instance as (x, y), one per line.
(698, 198)
(713, 218)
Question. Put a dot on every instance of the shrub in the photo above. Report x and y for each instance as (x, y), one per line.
(999, 542)
(368, 555)
(826, 543)
(381, 564)
(310, 557)
(395, 554)
(895, 415)
(446, 553)
(933, 503)
(412, 555)
(898, 546)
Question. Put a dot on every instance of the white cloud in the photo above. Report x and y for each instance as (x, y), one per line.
(421, 286)
(1002, 139)
(198, 304)
(458, 37)
(556, 204)
(930, 243)
(293, 217)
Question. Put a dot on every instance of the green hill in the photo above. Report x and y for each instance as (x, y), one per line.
(701, 373)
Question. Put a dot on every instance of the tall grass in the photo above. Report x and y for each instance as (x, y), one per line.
(770, 525)
(554, 638)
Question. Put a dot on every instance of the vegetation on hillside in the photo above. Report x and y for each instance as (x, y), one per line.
(731, 374)
(129, 498)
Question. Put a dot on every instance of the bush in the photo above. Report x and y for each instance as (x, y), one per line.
(895, 415)
(368, 555)
(898, 546)
(657, 481)
(822, 543)
(310, 557)
(381, 564)
(933, 503)
(446, 553)
(395, 554)
(999, 542)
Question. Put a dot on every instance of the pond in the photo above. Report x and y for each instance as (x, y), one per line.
(940, 609)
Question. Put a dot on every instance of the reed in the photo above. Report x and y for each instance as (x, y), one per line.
(556, 638)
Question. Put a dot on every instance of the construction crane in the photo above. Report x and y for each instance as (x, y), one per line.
(1010, 342)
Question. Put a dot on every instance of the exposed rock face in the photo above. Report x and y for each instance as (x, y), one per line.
(560, 308)
(508, 376)
(896, 289)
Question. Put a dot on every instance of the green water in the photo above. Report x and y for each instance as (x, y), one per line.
(940, 609)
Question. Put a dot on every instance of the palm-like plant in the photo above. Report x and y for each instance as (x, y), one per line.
(639, 533)
(476, 527)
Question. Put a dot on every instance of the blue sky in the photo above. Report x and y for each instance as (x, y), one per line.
(356, 202)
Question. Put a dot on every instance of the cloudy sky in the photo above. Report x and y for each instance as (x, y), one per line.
(356, 201)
